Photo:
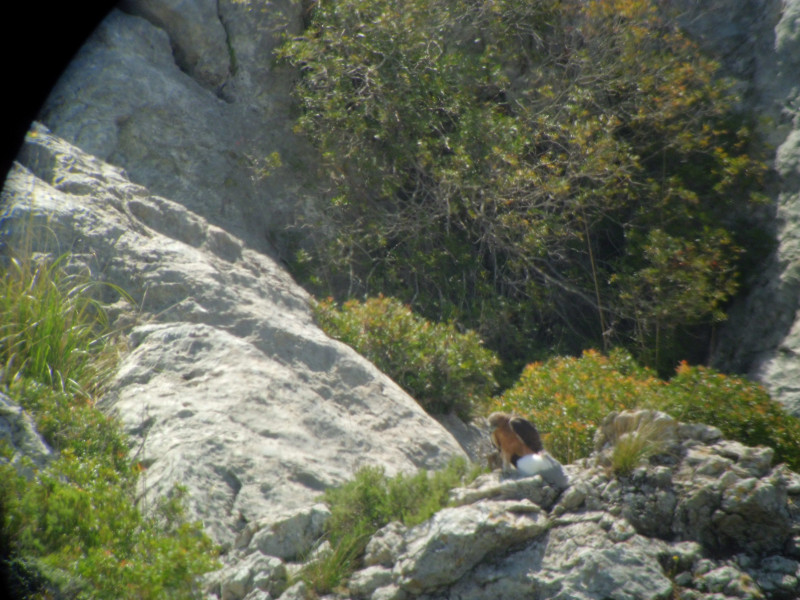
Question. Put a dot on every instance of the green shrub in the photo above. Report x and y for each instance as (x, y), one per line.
(568, 397)
(77, 522)
(371, 500)
(72, 423)
(443, 369)
(742, 410)
(73, 529)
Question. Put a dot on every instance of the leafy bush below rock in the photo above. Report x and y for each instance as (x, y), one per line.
(443, 369)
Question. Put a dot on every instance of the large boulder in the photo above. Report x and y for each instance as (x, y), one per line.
(228, 387)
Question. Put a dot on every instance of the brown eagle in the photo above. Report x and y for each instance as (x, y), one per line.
(514, 437)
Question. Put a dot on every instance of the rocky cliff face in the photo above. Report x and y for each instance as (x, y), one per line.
(186, 98)
(760, 43)
(704, 519)
(230, 389)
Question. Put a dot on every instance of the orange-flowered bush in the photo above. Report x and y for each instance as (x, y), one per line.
(742, 409)
(567, 397)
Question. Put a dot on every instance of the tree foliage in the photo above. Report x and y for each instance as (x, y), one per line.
(551, 173)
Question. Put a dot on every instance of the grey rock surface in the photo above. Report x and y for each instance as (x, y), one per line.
(762, 338)
(287, 537)
(18, 434)
(228, 386)
(186, 96)
(254, 576)
(197, 34)
(690, 522)
(441, 550)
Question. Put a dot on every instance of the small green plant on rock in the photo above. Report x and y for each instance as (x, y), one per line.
(370, 501)
(633, 446)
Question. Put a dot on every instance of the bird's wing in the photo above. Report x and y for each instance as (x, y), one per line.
(527, 433)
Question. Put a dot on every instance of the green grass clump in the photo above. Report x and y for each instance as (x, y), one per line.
(72, 528)
(568, 397)
(52, 330)
(635, 442)
(443, 369)
(372, 500)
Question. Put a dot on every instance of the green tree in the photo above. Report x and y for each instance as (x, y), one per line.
(514, 165)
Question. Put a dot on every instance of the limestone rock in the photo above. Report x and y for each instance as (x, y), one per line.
(442, 549)
(722, 494)
(298, 591)
(762, 337)
(292, 536)
(197, 36)
(229, 388)
(657, 426)
(496, 486)
(473, 436)
(365, 582)
(691, 522)
(609, 561)
(386, 546)
(253, 576)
